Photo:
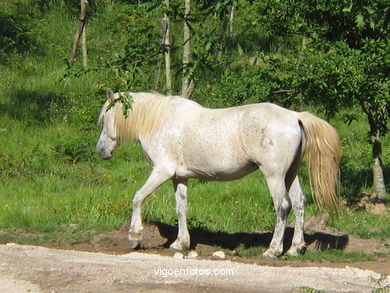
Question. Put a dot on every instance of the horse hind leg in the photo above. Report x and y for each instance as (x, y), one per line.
(277, 188)
(298, 200)
(183, 238)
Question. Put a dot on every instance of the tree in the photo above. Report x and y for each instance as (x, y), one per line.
(230, 41)
(187, 88)
(201, 27)
(346, 60)
(228, 24)
(80, 34)
(167, 49)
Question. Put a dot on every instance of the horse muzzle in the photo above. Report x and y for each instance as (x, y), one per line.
(104, 154)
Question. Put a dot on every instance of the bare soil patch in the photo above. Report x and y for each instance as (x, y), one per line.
(107, 264)
(158, 236)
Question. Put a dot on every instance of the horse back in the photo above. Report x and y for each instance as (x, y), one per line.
(229, 143)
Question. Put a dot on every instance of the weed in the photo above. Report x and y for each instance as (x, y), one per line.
(250, 252)
(305, 289)
(380, 286)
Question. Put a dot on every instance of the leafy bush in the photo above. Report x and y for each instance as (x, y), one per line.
(74, 148)
(15, 35)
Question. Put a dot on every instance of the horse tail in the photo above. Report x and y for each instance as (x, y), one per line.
(322, 148)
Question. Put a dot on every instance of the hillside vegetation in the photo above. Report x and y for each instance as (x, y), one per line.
(54, 188)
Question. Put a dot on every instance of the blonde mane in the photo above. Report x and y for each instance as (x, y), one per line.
(146, 115)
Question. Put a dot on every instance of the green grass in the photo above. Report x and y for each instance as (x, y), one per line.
(50, 178)
(333, 255)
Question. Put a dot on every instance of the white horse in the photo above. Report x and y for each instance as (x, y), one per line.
(183, 140)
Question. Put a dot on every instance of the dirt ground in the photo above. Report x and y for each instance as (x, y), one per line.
(158, 237)
(107, 265)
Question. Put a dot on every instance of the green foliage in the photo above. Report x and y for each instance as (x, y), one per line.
(346, 60)
(15, 34)
(134, 64)
(244, 84)
(127, 103)
(375, 96)
(329, 77)
(336, 76)
(337, 20)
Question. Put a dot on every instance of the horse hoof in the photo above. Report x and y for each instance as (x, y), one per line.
(269, 254)
(133, 244)
(297, 250)
(176, 246)
(134, 240)
(293, 252)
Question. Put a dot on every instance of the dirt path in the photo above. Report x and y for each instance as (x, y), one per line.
(37, 269)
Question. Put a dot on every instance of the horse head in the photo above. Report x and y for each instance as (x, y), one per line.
(108, 140)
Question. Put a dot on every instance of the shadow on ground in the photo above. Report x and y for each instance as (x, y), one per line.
(231, 241)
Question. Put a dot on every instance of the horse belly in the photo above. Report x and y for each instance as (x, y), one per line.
(215, 173)
(216, 160)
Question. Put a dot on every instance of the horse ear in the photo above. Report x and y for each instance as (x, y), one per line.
(110, 95)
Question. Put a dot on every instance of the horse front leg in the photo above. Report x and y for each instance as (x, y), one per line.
(156, 178)
(183, 237)
(282, 205)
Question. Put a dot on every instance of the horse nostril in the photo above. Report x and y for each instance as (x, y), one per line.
(106, 155)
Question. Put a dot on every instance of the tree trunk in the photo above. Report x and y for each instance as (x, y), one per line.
(84, 47)
(167, 50)
(80, 28)
(186, 50)
(378, 178)
(304, 42)
(230, 40)
(111, 5)
(157, 74)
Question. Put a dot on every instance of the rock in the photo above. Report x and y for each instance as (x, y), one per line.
(192, 255)
(378, 209)
(219, 254)
(370, 202)
(317, 223)
(72, 226)
(204, 249)
(178, 255)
